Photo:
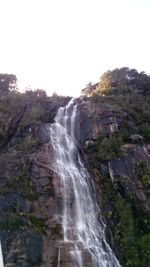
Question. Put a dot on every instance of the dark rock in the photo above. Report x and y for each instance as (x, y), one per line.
(94, 120)
(34, 249)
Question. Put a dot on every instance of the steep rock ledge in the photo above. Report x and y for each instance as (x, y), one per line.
(121, 171)
(95, 118)
(31, 195)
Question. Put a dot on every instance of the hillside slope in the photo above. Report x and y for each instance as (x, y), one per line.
(113, 139)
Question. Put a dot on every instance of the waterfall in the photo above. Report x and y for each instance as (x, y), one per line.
(82, 223)
(1, 257)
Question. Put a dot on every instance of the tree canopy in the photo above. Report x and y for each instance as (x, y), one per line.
(122, 79)
(89, 89)
(8, 83)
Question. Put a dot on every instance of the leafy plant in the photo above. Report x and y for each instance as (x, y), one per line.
(27, 143)
(13, 222)
(38, 224)
(36, 113)
(106, 148)
(144, 174)
(130, 229)
(145, 131)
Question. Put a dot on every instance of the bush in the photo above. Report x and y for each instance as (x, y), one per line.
(144, 245)
(13, 222)
(28, 143)
(107, 148)
(36, 113)
(130, 229)
(144, 174)
(38, 224)
(145, 132)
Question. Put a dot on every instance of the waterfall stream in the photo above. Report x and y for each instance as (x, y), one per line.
(1, 257)
(83, 227)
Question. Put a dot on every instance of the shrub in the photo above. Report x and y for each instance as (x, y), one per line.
(108, 147)
(144, 174)
(13, 222)
(36, 113)
(145, 132)
(28, 143)
(38, 224)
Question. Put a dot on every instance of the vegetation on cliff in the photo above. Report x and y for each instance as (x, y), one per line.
(119, 81)
(24, 120)
(20, 111)
(23, 117)
(128, 217)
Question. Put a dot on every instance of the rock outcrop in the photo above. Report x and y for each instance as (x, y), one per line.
(95, 118)
(30, 190)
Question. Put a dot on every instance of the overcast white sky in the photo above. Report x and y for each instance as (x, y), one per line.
(61, 45)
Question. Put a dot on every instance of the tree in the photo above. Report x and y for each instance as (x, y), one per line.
(89, 89)
(38, 93)
(8, 83)
(123, 79)
(117, 78)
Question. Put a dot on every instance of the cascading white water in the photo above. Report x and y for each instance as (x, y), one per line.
(82, 222)
(1, 257)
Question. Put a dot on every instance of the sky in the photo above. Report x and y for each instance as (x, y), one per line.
(62, 45)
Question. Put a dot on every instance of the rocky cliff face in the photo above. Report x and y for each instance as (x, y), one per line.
(120, 166)
(30, 191)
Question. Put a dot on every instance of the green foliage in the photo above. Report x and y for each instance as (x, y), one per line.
(38, 224)
(125, 230)
(57, 231)
(7, 83)
(2, 132)
(36, 113)
(20, 220)
(145, 131)
(11, 103)
(144, 175)
(130, 229)
(89, 89)
(124, 133)
(144, 245)
(39, 93)
(27, 185)
(136, 106)
(13, 222)
(28, 143)
(19, 111)
(123, 80)
(106, 148)
(109, 147)
(9, 185)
